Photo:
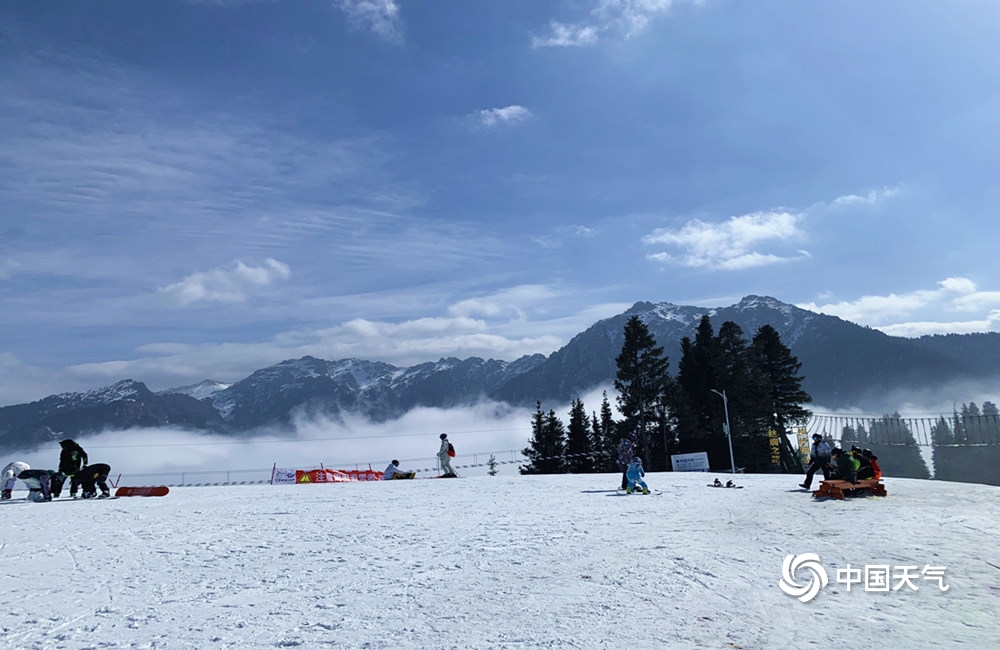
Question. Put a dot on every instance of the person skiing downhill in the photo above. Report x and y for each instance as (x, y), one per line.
(9, 477)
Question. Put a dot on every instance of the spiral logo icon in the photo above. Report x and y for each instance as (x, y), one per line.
(808, 562)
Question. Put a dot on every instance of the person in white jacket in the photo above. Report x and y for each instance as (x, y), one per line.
(393, 472)
(819, 459)
(446, 470)
(9, 477)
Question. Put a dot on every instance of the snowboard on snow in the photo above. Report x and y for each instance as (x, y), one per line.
(153, 491)
(731, 487)
(623, 493)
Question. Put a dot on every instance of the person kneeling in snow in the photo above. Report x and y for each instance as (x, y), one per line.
(9, 477)
(41, 483)
(93, 477)
(393, 472)
(634, 473)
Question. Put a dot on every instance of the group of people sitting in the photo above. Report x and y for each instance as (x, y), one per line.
(856, 465)
(46, 484)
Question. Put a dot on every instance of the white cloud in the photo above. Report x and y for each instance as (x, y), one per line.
(729, 245)
(227, 284)
(954, 295)
(379, 16)
(511, 303)
(506, 116)
(614, 18)
(872, 197)
(562, 35)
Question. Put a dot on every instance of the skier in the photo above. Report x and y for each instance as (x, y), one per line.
(40, 483)
(72, 459)
(93, 477)
(634, 474)
(819, 458)
(393, 472)
(625, 453)
(445, 458)
(9, 477)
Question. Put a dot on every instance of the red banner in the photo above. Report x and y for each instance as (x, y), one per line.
(336, 475)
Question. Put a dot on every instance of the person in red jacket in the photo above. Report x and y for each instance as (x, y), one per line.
(867, 453)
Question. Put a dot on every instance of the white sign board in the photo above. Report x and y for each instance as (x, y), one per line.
(696, 462)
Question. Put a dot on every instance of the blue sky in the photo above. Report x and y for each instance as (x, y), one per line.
(196, 189)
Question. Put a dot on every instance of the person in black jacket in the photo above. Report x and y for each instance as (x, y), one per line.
(72, 459)
(865, 469)
(93, 477)
(845, 466)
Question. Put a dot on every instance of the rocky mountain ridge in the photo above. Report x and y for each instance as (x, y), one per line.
(845, 365)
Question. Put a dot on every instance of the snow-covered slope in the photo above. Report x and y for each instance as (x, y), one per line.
(499, 562)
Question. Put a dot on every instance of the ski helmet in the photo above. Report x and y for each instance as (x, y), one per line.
(443, 436)
(817, 436)
(395, 462)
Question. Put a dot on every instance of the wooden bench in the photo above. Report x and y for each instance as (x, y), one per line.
(836, 488)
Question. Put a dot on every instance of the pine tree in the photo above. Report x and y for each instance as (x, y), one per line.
(604, 437)
(641, 377)
(779, 372)
(547, 447)
(700, 415)
(894, 444)
(492, 463)
(578, 447)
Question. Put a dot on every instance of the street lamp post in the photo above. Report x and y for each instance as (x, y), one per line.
(729, 435)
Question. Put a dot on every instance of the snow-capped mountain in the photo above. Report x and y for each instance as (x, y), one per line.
(122, 405)
(201, 390)
(844, 365)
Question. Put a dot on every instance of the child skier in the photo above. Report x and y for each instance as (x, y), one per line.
(634, 472)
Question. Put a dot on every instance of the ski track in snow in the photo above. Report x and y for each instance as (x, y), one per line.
(495, 562)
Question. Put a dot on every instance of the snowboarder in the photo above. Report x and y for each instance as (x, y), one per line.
(93, 477)
(444, 455)
(393, 472)
(625, 453)
(819, 458)
(72, 459)
(634, 473)
(9, 477)
(40, 483)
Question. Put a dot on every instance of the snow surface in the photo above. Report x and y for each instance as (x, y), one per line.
(497, 562)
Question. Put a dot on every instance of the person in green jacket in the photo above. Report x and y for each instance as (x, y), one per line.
(846, 470)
